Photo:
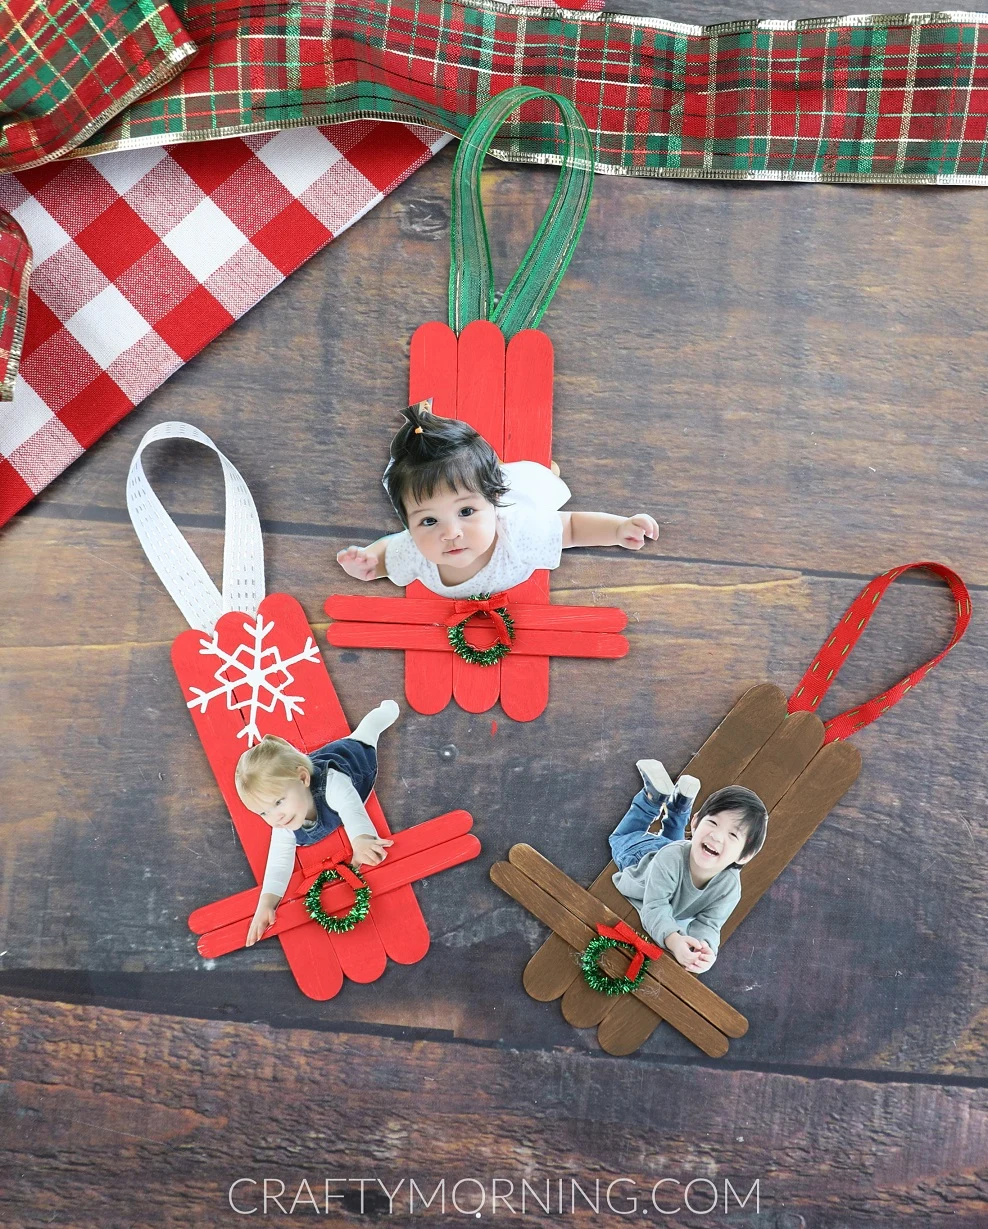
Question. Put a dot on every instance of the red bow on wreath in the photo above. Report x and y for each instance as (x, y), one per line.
(623, 933)
(493, 606)
(346, 873)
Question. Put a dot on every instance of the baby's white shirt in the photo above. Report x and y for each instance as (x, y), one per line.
(342, 796)
(529, 537)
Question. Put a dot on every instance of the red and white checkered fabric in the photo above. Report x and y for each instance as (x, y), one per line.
(142, 257)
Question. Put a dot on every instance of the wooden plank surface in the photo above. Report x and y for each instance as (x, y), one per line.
(791, 379)
(187, 1107)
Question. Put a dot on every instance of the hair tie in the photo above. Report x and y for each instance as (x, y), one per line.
(417, 431)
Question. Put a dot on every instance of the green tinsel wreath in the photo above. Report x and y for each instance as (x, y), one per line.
(602, 982)
(328, 921)
(480, 657)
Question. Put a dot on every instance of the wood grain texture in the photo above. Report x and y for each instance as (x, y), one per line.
(128, 811)
(779, 375)
(187, 1107)
(578, 934)
(684, 985)
(715, 335)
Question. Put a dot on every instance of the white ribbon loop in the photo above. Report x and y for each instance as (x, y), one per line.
(177, 565)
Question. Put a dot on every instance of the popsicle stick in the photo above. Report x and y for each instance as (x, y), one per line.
(320, 719)
(666, 970)
(801, 810)
(525, 680)
(431, 373)
(732, 745)
(434, 640)
(777, 765)
(737, 739)
(528, 398)
(398, 917)
(313, 961)
(513, 880)
(411, 841)
(432, 367)
(480, 381)
(769, 772)
(428, 677)
(337, 897)
(525, 613)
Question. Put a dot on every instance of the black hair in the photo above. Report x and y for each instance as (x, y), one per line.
(430, 452)
(754, 814)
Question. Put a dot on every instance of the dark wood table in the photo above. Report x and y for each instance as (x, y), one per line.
(792, 379)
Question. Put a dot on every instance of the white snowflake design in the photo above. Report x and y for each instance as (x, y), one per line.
(254, 672)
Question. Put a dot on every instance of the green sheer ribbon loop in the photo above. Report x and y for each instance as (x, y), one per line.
(471, 275)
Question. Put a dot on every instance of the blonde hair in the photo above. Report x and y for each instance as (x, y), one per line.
(273, 762)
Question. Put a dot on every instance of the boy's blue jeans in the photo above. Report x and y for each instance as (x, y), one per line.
(631, 840)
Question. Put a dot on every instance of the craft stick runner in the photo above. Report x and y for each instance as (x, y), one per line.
(491, 368)
(250, 666)
(800, 766)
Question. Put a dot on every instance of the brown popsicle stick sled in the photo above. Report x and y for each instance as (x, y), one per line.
(800, 766)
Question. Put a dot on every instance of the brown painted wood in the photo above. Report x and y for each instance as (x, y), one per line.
(578, 934)
(798, 814)
(776, 373)
(130, 807)
(771, 772)
(757, 715)
(781, 761)
(569, 894)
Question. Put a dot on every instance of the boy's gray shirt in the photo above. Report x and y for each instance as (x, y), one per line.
(661, 888)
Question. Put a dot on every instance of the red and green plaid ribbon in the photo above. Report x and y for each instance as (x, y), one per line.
(872, 99)
(15, 269)
(880, 99)
(69, 66)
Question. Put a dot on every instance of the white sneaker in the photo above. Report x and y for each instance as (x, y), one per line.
(657, 780)
(687, 786)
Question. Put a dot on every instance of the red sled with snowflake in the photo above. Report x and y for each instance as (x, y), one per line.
(504, 390)
(250, 666)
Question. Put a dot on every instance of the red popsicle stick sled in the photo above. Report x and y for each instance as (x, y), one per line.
(250, 666)
(505, 393)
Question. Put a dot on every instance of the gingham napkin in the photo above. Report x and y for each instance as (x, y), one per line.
(142, 257)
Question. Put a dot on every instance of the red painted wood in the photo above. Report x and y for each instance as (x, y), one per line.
(402, 930)
(395, 926)
(506, 394)
(480, 381)
(528, 437)
(525, 678)
(526, 611)
(362, 952)
(432, 367)
(431, 373)
(528, 398)
(428, 677)
(312, 958)
(434, 640)
(383, 881)
(241, 905)
(480, 402)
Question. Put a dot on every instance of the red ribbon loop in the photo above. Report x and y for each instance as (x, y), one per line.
(465, 608)
(827, 664)
(623, 933)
